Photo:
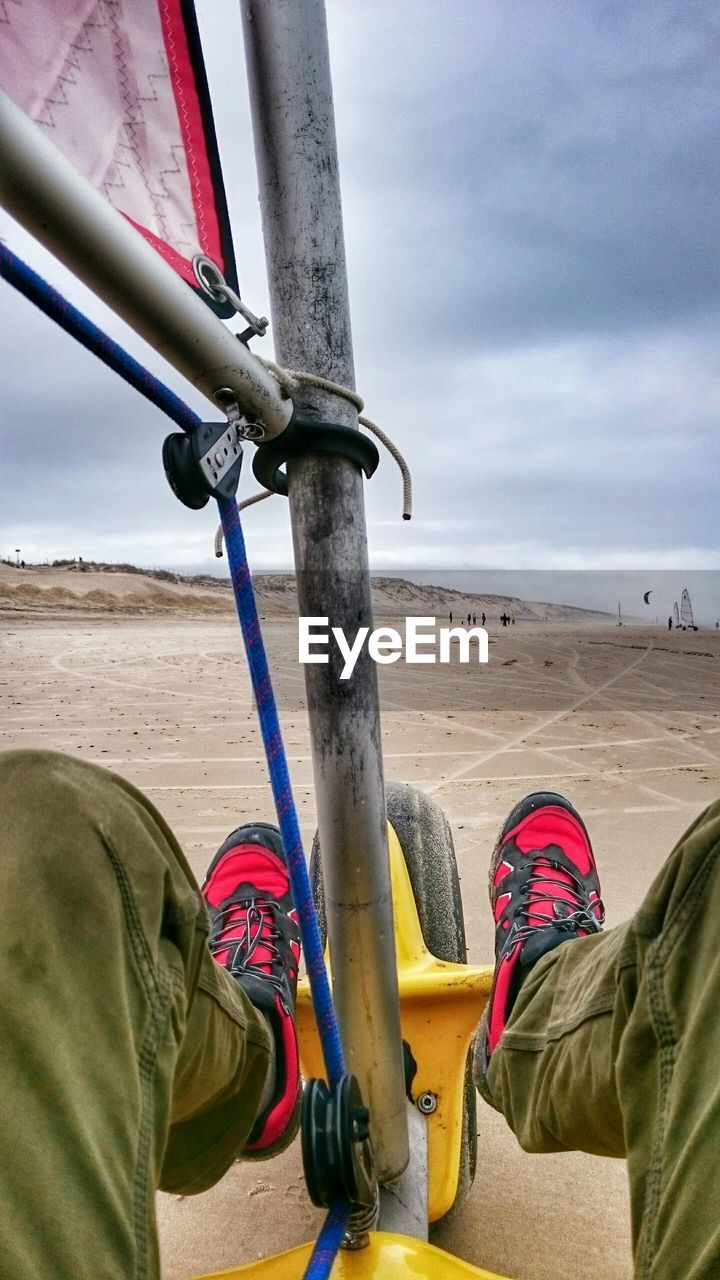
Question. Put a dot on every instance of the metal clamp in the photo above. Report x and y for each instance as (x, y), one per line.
(307, 435)
(212, 281)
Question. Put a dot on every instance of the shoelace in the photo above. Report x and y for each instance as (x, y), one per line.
(258, 930)
(581, 917)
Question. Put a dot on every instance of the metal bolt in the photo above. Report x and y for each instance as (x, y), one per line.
(224, 395)
(251, 430)
(360, 1128)
(426, 1103)
(218, 458)
(355, 1240)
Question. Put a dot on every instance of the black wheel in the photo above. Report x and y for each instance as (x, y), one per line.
(427, 844)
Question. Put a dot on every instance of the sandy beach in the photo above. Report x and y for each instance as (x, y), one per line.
(624, 721)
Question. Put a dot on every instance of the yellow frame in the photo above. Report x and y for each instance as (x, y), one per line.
(440, 1004)
(387, 1257)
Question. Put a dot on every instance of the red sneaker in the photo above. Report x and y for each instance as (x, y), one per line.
(544, 890)
(254, 935)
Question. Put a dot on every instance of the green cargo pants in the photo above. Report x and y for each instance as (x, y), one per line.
(129, 1060)
(613, 1047)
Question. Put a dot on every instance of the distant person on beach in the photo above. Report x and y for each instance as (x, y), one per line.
(670, 624)
(148, 1037)
(482, 619)
(451, 615)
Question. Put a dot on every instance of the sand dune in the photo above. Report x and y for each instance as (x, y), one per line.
(113, 589)
(42, 588)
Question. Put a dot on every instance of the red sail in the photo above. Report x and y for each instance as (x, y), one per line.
(120, 87)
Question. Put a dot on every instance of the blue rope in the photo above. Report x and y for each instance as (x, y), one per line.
(37, 290)
(74, 322)
(330, 1237)
(327, 1243)
(282, 790)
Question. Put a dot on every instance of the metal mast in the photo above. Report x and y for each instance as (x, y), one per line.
(293, 122)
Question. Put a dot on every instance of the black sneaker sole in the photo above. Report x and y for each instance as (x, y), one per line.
(287, 1136)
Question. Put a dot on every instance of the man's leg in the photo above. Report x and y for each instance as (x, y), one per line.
(117, 1028)
(610, 1047)
(255, 937)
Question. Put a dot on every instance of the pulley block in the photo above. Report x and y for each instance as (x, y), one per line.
(204, 463)
(336, 1149)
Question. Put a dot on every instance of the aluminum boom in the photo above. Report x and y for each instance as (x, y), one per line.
(43, 191)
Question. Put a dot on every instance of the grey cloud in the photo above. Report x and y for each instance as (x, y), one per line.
(530, 195)
(562, 172)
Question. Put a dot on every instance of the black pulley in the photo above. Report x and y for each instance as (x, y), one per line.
(336, 1150)
(203, 464)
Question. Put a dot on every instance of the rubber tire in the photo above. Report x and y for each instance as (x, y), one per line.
(427, 844)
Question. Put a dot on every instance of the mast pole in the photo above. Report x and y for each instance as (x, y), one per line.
(287, 56)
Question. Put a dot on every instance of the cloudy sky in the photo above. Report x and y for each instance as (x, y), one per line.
(531, 216)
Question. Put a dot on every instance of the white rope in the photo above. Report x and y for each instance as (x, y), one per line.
(395, 453)
(290, 381)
